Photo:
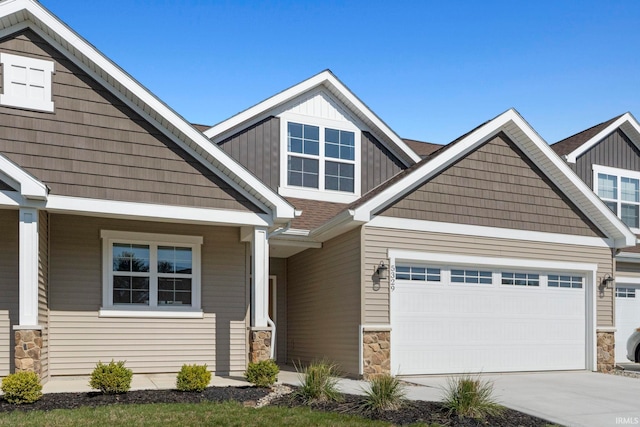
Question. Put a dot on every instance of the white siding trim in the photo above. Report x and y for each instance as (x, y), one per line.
(30, 187)
(626, 118)
(151, 314)
(620, 280)
(482, 231)
(260, 278)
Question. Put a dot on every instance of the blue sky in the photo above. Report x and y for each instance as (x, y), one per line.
(432, 70)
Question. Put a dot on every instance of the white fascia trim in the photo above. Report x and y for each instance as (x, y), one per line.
(151, 314)
(628, 257)
(326, 78)
(621, 280)
(168, 122)
(627, 117)
(545, 158)
(154, 212)
(338, 225)
(482, 231)
(30, 187)
(132, 236)
(444, 258)
(278, 241)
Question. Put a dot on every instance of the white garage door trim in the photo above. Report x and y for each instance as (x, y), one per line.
(625, 325)
(587, 269)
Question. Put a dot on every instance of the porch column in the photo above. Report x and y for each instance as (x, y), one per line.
(28, 338)
(260, 334)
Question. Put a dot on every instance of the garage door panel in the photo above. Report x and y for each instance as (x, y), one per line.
(627, 318)
(455, 328)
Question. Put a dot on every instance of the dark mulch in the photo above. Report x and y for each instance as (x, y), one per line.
(416, 411)
(75, 400)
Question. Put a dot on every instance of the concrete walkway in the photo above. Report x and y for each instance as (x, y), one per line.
(568, 398)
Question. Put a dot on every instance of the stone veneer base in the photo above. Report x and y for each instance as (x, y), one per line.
(28, 350)
(376, 355)
(606, 351)
(259, 345)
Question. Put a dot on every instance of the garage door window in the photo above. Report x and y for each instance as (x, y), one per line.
(416, 273)
(556, 281)
(520, 279)
(626, 292)
(471, 276)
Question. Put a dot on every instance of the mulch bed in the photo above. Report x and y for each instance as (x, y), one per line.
(51, 401)
(414, 411)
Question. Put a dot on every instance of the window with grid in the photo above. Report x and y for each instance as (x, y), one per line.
(471, 276)
(626, 292)
(520, 279)
(320, 158)
(26, 82)
(151, 274)
(416, 273)
(620, 191)
(558, 281)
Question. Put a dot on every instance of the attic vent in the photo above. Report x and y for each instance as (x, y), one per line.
(26, 82)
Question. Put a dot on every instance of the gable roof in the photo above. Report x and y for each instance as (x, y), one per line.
(525, 137)
(572, 147)
(16, 15)
(330, 82)
(422, 148)
(21, 180)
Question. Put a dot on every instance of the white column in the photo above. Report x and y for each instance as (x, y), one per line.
(260, 279)
(28, 270)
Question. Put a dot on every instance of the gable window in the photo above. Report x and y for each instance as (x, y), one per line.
(320, 159)
(151, 271)
(620, 190)
(26, 82)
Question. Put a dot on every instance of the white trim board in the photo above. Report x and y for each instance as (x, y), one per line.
(29, 186)
(627, 123)
(482, 231)
(621, 280)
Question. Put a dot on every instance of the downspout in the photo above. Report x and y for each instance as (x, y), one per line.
(270, 322)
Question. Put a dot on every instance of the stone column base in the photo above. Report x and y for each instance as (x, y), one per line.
(259, 345)
(376, 355)
(606, 351)
(27, 350)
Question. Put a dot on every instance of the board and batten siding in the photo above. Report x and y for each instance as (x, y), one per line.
(43, 290)
(615, 150)
(94, 146)
(257, 148)
(378, 163)
(496, 186)
(9, 290)
(79, 338)
(378, 241)
(323, 297)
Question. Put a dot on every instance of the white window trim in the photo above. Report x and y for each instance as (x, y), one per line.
(8, 60)
(619, 173)
(108, 309)
(320, 193)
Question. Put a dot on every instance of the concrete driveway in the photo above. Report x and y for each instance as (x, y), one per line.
(577, 398)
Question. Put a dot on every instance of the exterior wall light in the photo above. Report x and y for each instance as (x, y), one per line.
(382, 271)
(607, 281)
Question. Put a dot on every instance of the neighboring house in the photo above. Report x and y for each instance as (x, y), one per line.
(607, 158)
(302, 228)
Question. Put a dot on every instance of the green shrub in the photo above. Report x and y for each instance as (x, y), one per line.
(22, 387)
(385, 393)
(113, 378)
(193, 378)
(469, 396)
(263, 373)
(319, 383)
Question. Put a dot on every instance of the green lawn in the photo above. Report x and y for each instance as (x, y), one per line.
(179, 414)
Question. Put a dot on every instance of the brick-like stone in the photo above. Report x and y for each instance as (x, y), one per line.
(606, 352)
(28, 351)
(259, 346)
(376, 352)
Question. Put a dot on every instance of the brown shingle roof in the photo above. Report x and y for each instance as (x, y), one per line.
(569, 144)
(423, 149)
(314, 212)
(201, 128)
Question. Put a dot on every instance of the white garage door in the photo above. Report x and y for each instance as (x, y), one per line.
(465, 319)
(627, 317)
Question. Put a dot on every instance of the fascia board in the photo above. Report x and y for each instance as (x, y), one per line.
(326, 78)
(338, 225)
(627, 117)
(131, 89)
(30, 187)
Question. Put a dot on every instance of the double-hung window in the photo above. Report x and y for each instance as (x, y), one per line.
(620, 190)
(321, 158)
(150, 272)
